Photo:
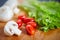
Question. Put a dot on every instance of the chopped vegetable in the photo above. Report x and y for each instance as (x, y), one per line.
(30, 30)
(21, 17)
(26, 20)
(32, 24)
(19, 22)
(11, 28)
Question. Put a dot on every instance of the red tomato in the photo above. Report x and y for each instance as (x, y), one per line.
(26, 20)
(33, 24)
(21, 17)
(30, 29)
(19, 22)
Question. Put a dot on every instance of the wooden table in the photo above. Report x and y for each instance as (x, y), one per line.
(39, 35)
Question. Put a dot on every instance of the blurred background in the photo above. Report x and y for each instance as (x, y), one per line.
(49, 0)
(3, 1)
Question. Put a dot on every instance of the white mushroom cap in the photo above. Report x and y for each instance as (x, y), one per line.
(11, 28)
(12, 23)
(8, 31)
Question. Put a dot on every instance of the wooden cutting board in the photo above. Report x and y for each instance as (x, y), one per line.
(39, 35)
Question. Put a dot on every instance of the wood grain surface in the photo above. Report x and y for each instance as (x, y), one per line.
(39, 35)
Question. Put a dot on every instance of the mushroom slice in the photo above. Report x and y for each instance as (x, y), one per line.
(11, 28)
(17, 31)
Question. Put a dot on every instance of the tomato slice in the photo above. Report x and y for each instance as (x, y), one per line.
(33, 24)
(30, 29)
(26, 20)
(19, 22)
(21, 17)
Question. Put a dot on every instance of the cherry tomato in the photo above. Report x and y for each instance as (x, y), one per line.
(30, 29)
(26, 20)
(19, 22)
(21, 17)
(33, 24)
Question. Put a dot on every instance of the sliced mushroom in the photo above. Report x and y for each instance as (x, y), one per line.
(11, 28)
(17, 31)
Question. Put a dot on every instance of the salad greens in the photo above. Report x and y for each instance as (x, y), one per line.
(46, 14)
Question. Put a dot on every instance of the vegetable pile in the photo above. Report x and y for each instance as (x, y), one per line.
(46, 14)
(29, 22)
